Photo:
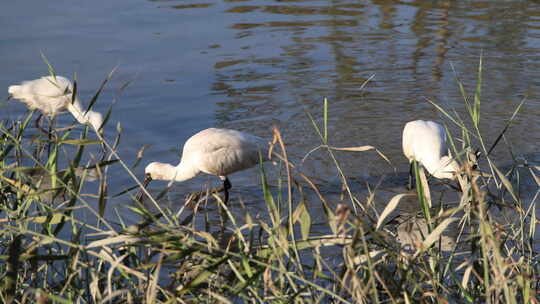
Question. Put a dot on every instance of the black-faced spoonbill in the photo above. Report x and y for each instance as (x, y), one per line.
(213, 151)
(425, 142)
(52, 95)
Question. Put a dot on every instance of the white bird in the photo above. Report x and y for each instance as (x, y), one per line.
(213, 151)
(52, 95)
(425, 142)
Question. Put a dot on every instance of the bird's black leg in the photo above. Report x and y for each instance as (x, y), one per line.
(38, 120)
(410, 185)
(226, 186)
(38, 124)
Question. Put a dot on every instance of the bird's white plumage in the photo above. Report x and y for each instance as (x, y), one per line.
(213, 151)
(53, 95)
(425, 142)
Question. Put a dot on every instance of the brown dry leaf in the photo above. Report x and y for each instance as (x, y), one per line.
(353, 149)
(435, 234)
(362, 149)
(389, 208)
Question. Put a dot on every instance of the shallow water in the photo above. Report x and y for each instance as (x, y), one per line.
(252, 64)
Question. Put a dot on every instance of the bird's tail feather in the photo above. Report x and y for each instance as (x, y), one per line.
(13, 90)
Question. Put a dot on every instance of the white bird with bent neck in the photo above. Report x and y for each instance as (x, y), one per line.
(213, 151)
(52, 95)
(425, 142)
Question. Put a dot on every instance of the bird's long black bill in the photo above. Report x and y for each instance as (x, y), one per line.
(147, 180)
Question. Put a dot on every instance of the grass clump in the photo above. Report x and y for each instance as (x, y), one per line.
(58, 243)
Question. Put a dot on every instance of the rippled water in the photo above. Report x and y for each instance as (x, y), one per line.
(251, 64)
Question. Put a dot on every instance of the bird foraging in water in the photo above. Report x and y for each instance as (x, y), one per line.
(52, 95)
(213, 151)
(425, 142)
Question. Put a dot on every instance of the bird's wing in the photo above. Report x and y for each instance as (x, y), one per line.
(437, 135)
(49, 94)
(423, 139)
(48, 86)
(227, 160)
(222, 151)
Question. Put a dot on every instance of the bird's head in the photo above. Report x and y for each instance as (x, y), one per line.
(152, 171)
(159, 171)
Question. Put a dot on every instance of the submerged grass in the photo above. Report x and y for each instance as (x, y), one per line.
(58, 246)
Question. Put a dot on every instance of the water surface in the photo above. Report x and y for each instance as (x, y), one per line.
(252, 64)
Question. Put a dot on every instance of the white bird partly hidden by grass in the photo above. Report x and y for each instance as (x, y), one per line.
(425, 142)
(52, 95)
(213, 151)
